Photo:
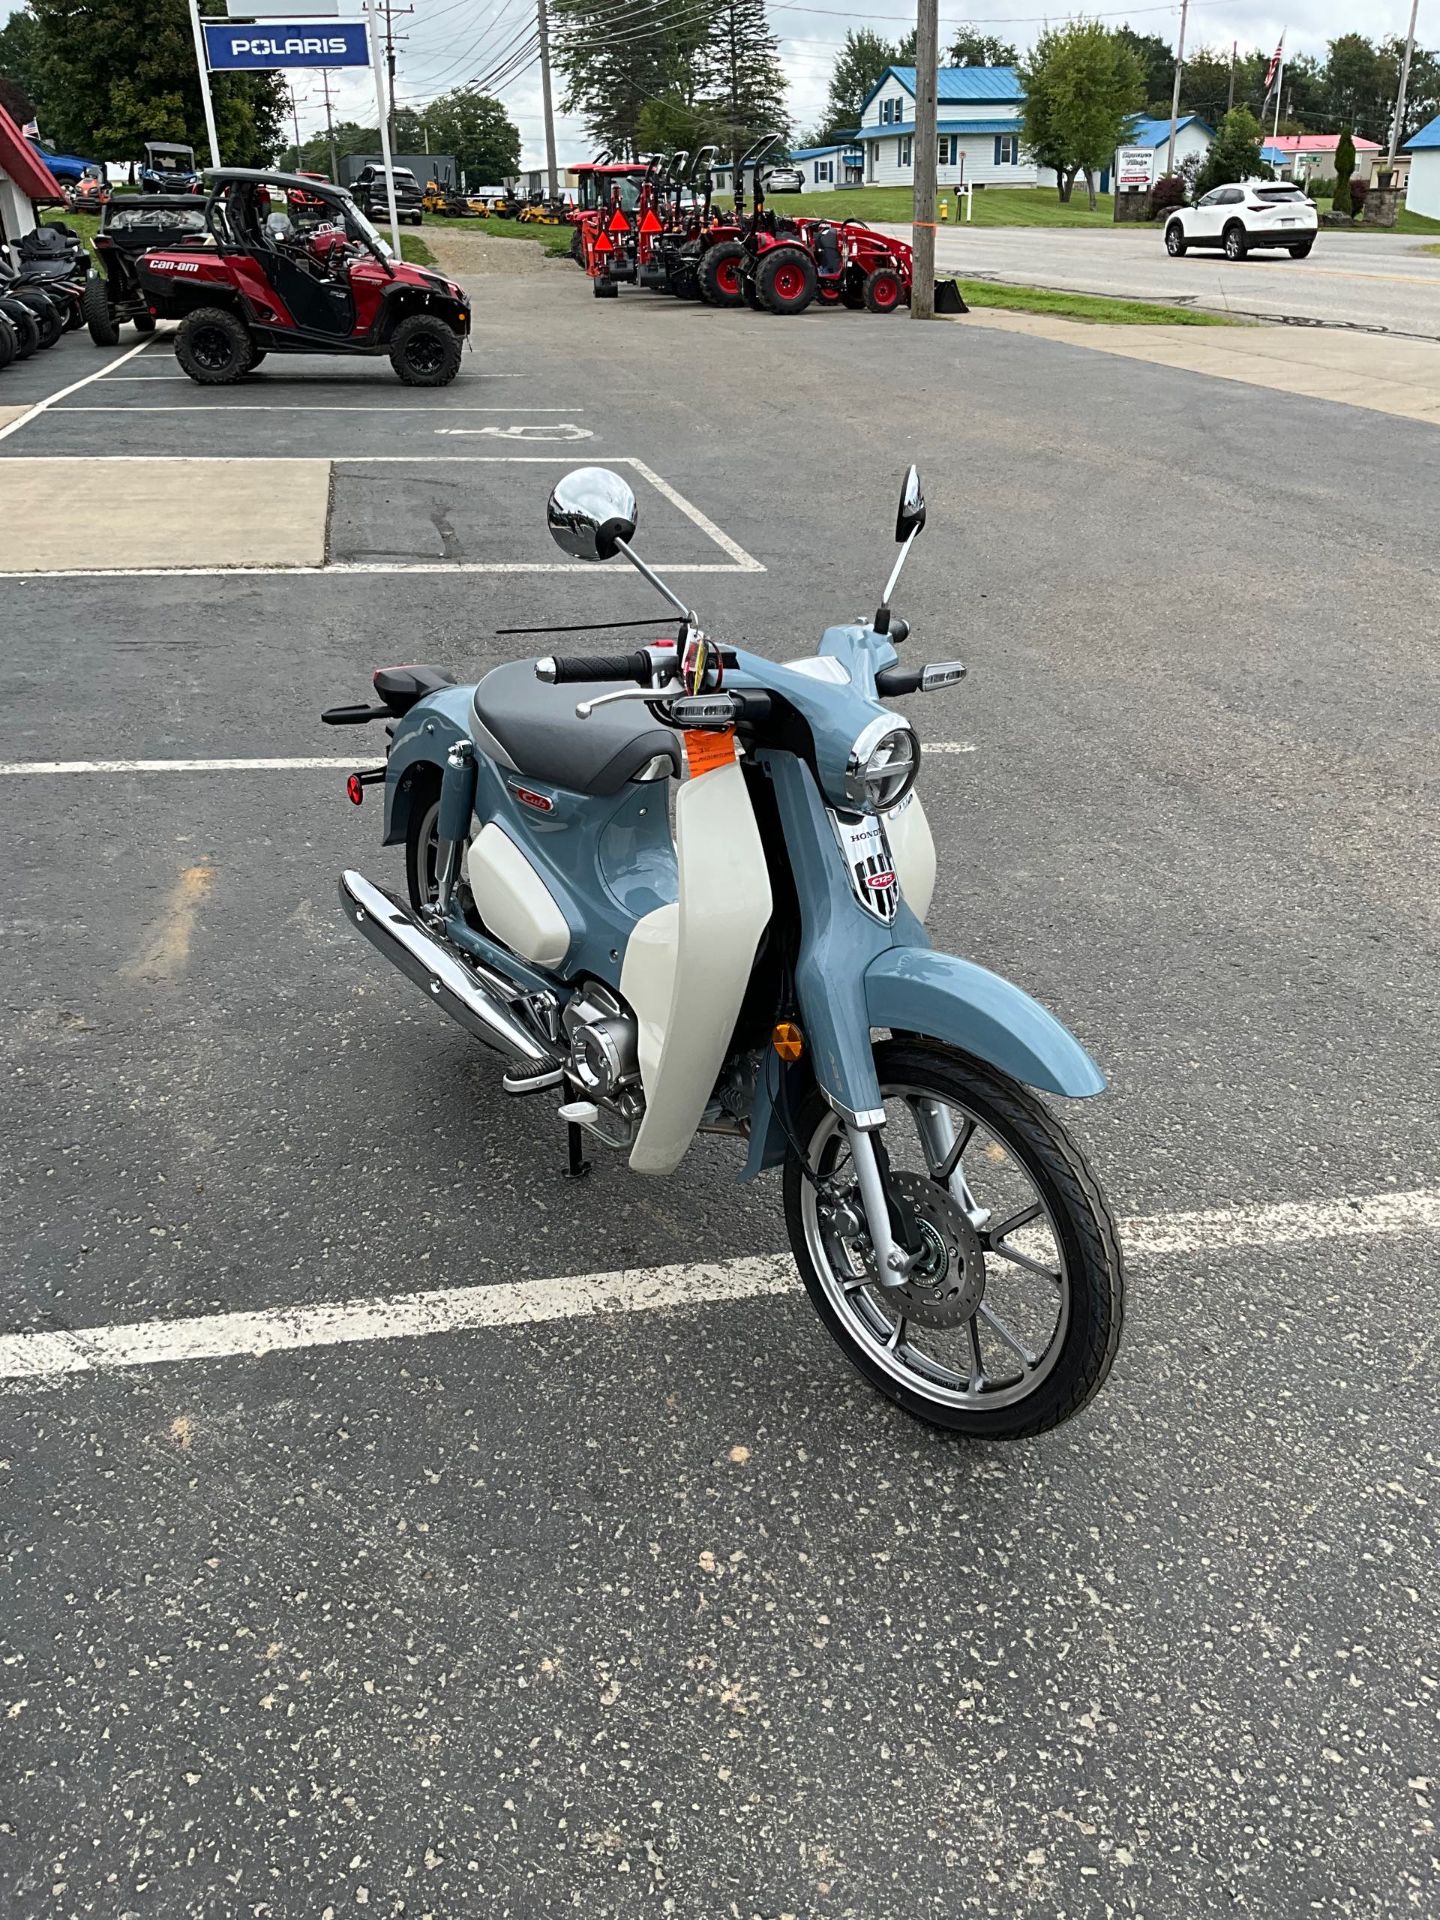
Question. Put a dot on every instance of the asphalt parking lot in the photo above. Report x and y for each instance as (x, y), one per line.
(398, 1595)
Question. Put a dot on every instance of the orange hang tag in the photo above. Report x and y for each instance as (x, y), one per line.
(705, 751)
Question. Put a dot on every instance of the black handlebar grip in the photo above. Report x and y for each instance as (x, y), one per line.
(566, 669)
(893, 680)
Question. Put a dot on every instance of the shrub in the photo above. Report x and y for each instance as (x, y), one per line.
(1344, 167)
(1359, 189)
(1165, 194)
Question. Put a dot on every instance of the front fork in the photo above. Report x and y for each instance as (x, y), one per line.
(457, 808)
(940, 1139)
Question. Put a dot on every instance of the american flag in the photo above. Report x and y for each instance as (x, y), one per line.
(1274, 66)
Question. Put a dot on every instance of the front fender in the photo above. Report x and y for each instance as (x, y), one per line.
(916, 990)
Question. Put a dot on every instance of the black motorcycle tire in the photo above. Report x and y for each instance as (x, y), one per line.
(104, 327)
(27, 328)
(425, 351)
(47, 316)
(1083, 1225)
(9, 342)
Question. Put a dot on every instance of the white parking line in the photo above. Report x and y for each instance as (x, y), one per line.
(43, 406)
(289, 406)
(334, 567)
(328, 762)
(42, 1357)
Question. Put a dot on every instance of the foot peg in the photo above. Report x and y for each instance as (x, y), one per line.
(532, 1076)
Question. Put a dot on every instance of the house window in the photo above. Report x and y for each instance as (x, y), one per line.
(824, 170)
(946, 154)
(1007, 150)
(884, 113)
(904, 149)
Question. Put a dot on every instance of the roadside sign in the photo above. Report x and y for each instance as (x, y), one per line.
(1134, 167)
(236, 48)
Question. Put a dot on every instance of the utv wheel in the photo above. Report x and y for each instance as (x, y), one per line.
(1008, 1321)
(1235, 242)
(424, 351)
(884, 290)
(786, 280)
(1300, 249)
(95, 301)
(144, 322)
(720, 270)
(1175, 240)
(213, 346)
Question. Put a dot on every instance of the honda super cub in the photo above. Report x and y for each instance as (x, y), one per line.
(761, 970)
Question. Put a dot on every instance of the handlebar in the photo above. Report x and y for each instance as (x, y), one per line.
(568, 669)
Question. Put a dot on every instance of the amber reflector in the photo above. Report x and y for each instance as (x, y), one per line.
(787, 1040)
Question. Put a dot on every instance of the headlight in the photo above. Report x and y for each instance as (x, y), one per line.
(882, 766)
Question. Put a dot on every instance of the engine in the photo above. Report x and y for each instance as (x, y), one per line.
(602, 1052)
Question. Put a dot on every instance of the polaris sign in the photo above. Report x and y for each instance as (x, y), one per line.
(336, 43)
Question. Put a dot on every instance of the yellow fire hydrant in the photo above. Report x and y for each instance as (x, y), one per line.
(944, 209)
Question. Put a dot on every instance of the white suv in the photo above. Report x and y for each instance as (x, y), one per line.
(1261, 213)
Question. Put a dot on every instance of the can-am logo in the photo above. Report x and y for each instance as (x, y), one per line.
(175, 266)
(270, 46)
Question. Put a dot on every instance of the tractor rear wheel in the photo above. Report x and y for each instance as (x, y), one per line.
(213, 346)
(104, 328)
(720, 270)
(786, 279)
(884, 290)
(577, 248)
(425, 351)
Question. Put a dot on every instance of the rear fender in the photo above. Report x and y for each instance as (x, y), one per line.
(417, 752)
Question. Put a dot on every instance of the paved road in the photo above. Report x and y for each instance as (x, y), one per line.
(1349, 280)
(663, 1612)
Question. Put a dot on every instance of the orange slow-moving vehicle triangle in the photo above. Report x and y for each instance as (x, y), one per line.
(652, 223)
(603, 243)
(618, 223)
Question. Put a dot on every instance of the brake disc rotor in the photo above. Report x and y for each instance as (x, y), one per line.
(947, 1282)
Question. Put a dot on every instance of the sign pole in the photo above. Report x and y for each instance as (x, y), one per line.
(381, 109)
(202, 60)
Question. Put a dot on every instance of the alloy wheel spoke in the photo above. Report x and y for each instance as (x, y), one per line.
(976, 1382)
(897, 1336)
(1017, 1346)
(944, 1170)
(1020, 1218)
(1024, 1260)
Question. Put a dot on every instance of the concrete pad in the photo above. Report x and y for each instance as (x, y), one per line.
(1399, 377)
(7, 414)
(162, 513)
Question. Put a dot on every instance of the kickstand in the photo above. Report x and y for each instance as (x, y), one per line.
(579, 1166)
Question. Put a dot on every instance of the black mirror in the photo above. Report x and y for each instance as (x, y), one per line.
(590, 512)
(911, 517)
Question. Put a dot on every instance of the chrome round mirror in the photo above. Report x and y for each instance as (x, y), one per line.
(911, 517)
(590, 512)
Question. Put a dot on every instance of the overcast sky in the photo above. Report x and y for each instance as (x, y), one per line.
(451, 41)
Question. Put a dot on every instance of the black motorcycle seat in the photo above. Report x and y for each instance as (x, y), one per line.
(537, 726)
(401, 688)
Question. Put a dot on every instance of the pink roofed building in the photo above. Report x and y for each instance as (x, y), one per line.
(1311, 156)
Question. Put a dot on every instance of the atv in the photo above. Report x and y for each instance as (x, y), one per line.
(168, 168)
(133, 224)
(257, 286)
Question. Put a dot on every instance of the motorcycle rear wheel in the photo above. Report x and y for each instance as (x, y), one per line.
(1014, 1229)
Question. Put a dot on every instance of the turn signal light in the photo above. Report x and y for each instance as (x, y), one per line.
(788, 1041)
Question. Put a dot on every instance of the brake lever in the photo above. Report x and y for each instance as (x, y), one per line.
(587, 707)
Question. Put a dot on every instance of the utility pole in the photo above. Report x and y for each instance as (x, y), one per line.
(926, 156)
(543, 22)
(390, 72)
(1230, 96)
(1175, 95)
(330, 126)
(295, 115)
(1397, 125)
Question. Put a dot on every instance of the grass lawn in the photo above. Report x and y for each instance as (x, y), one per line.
(994, 206)
(1085, 306)
(1405, 222)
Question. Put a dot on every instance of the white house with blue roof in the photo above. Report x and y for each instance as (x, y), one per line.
(978, 125)
(1422, 189)
(1193, 136)
(841, 164)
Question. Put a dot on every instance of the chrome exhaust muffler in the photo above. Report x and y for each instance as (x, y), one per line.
(456, 985)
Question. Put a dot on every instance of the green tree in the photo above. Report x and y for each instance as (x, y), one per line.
(1157, 62)
(1235, 154)
(1422, 95)
(16, 102)
(113, 74)
(474, 127)
(350, 137)
(743, 79)
(1356, 94)
(20, 62)
(1205, 84)
(972, 49)
(862, 58)
(615, 61)
(1341, 200)
(1083, 87)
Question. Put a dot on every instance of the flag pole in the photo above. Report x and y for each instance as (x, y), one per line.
(202, 60)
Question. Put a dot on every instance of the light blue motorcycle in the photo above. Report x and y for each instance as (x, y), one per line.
(745, 954)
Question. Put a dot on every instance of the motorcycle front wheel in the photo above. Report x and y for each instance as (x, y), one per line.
(1008, 1320)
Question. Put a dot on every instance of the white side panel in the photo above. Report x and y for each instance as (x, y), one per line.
(687, 966)
(514, 902)
(912, 847)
